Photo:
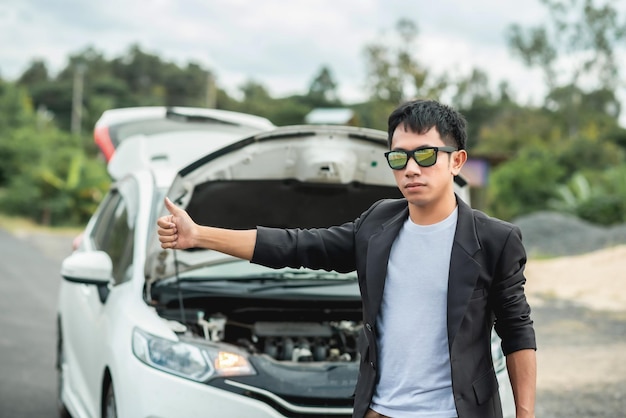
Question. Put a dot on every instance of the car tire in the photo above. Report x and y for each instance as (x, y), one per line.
(109, 408)
(62, 410)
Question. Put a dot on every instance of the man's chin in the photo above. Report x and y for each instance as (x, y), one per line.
(418, 201)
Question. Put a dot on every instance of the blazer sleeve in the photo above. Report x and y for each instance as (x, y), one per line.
(513, 322)
(328, 249)
(324, 248)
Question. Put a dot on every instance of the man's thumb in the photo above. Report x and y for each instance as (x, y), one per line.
(171, 207)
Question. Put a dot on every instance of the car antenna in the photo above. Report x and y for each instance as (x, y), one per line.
(181, 307)
(180, 295)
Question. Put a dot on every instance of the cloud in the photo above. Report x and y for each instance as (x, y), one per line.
(279, 44)
(270, 38)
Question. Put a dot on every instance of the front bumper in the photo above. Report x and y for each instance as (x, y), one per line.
(151, 393)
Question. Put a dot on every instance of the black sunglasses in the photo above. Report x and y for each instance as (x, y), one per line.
(424, 157)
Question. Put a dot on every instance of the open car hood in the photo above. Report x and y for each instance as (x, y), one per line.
(290, 177)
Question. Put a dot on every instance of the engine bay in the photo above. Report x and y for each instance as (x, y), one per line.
(287, 330)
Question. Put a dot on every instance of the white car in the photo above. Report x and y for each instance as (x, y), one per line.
(145, 332)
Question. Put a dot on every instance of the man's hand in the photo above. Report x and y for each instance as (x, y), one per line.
(176, 230)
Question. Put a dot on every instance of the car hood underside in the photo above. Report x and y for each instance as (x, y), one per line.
(245, 204)
(288, 178)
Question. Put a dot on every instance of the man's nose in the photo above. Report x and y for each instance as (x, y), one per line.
(412, 168)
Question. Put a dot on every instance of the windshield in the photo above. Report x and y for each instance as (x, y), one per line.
(235, 269)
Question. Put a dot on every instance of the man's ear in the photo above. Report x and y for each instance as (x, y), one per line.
(458, 159)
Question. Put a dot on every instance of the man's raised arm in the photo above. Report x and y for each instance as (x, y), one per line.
(179, 231)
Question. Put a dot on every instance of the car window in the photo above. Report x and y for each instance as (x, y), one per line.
(114, 231)
(101, 231)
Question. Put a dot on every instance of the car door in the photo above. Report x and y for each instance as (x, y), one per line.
(88, 321)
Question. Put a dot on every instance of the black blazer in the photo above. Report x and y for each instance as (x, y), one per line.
(486, 285)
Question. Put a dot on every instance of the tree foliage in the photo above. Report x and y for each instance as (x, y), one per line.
(45, 173)
(323, 89)
(393, 72)
(579, 41)
(538, 154)
(603, 204)
(525, 183)
(576, 50)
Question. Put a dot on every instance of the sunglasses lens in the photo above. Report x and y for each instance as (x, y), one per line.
(425, 157)
(397, 160)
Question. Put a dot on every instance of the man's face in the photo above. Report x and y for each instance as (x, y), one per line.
(425, 186)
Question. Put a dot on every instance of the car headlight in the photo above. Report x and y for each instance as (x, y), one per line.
(187, 360)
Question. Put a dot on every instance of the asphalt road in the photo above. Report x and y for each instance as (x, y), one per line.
(29, 282)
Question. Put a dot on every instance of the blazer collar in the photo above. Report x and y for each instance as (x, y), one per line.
(379, 248)
(465, 235)
(464, 269)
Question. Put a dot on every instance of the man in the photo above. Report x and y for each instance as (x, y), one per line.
(434, 276)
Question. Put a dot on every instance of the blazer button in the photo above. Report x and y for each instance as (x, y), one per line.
(373, 365)
(368, 326)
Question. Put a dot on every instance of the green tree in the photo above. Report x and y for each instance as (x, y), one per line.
(186, 86)
(472, 90)
(482, 107)
(37, 72)
(513, 128)
(141, 72)
(581, 33)
(576, 51)
(256, 98)
(587, 153)
(137, 78)
(373, 113)
(56, 97)
(393, 72)
(323, 89)
(16, 111)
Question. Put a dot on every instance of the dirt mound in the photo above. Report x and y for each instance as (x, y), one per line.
(596, 280)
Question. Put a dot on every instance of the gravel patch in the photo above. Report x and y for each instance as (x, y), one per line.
(580, 361)
(549, 234)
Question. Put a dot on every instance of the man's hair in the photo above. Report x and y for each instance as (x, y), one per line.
(419, 116)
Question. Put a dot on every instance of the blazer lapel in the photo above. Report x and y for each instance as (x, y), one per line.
(464, 269)
(378, 250)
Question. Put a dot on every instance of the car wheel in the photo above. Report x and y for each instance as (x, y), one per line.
(63, 412)
(110, 408)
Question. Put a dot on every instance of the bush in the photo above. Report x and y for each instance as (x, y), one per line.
(524, 184)
(603, 210)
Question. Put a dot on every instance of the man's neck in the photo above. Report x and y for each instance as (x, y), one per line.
(434, 212)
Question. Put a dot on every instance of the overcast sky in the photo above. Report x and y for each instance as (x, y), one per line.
(281, 44)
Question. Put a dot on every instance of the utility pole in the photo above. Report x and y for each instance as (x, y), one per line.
(211, 91)
(77, 98)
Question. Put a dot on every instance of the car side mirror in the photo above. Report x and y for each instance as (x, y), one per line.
(92, 267)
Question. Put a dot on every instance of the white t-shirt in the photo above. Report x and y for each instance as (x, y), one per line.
(414, 360)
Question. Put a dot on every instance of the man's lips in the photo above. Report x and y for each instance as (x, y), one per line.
(414, 185)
